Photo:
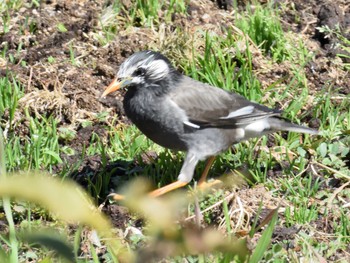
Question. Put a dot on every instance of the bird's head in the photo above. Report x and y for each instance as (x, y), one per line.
(142, 69)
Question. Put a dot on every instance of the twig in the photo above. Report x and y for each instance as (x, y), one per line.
(337, 191)
(30, 78)
(212, 206)
(241, 213)
(307, 25)
(197, 212)
(332, 170)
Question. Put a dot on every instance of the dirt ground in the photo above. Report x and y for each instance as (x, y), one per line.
(72, 92)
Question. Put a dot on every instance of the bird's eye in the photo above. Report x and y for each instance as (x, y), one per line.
(140, 72)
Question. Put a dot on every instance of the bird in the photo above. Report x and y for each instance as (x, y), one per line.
(183, 114)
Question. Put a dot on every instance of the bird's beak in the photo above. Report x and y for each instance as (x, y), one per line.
(115, 85)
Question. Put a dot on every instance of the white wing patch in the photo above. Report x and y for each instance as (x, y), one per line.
(190, 124)
(258, 126)
(240, 112)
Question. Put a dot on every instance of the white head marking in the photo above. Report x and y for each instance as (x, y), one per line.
(158, 69)
(155, 69)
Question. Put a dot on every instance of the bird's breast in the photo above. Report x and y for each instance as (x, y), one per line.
(157, 119)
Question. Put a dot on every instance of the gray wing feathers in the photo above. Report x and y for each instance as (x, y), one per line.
(209, 106)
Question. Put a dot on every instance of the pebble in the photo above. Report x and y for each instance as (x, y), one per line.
(205, 18)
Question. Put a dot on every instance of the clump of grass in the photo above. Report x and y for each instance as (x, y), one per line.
(37, 151)
(16, 4)
(108, 24)
(261, 24)
(7, 6)
(150, 12)
(225, 64)
(10, 93)
(29, 25)
(12, 241)
(40, 148)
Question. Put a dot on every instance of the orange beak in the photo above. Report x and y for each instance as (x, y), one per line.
(115, 85)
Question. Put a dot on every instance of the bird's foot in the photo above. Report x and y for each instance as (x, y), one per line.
(167, 188)
(116, 197)
(158, 192)
(204, 186)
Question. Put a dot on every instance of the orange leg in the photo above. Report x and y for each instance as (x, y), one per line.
(178, 184)
(155, 193)
(208, 165)
(202, 183)
(117, 197)
(167, 188)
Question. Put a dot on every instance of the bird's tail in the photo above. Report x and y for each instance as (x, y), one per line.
(280, 124)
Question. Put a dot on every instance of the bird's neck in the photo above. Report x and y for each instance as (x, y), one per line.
(141, 99)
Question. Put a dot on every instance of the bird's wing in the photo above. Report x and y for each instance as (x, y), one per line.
(207, 106)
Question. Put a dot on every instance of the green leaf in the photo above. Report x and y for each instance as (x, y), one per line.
(54, 155)
(264, 241)
(301, 151)
(61, 28)
(323, 149)
(51, 59)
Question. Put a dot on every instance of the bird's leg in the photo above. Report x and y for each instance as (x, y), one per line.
(155, 193)
(202, 183)
(184, 178)
(116, 197)
(186, 175)
(167, 188)
(208, 165)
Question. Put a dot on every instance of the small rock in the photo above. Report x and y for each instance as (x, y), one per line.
(132, 231)
(205, 18)
(94, 238)
(194, 13)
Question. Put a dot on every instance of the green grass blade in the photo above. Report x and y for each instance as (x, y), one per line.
(264, 241)
(7, 206)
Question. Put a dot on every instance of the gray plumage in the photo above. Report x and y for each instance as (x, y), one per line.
(183, 114)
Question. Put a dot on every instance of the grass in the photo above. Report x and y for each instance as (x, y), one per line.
(10, 93)
(40, 150)
(222, 57)
(263, 27)
(108, 24)
(12, 241)
(293, 182)
(148, 12)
